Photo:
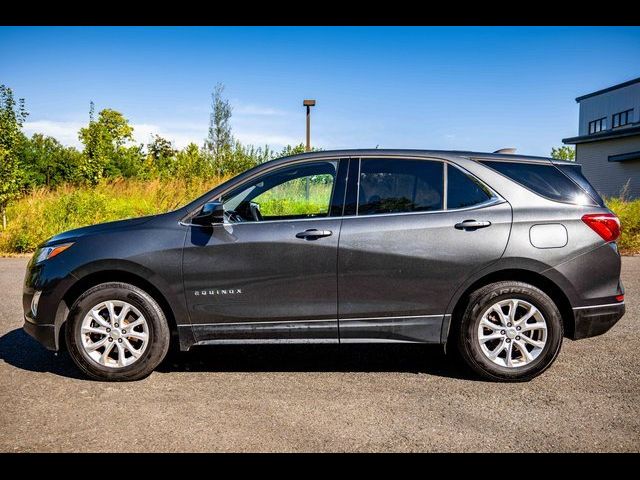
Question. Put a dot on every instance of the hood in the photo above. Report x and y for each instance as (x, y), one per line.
(76, 233)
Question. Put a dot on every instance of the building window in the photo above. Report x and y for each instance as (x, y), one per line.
(622, 118)
(598, 125)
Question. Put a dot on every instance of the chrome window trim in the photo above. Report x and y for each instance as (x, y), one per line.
(488, 203)
(445, 185)
(494, 200)
(260, 173)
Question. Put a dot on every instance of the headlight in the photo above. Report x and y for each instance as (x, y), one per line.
(46, 253)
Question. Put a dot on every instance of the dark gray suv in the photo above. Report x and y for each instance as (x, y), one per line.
(497, 256)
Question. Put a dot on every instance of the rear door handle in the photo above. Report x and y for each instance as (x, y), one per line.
(312, 234)
(471, 225)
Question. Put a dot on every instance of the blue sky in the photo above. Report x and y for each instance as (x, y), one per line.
(477, 88)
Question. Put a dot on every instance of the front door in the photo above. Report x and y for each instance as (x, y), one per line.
(268, 274)
(405, 248)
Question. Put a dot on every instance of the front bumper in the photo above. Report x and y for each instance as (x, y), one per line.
(43, 333)
(596, 320)
(49, 281)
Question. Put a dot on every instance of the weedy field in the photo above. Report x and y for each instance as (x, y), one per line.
(43, 213)
(46, 212)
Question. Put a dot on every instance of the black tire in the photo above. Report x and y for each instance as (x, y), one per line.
(467, 334)
(158, 329)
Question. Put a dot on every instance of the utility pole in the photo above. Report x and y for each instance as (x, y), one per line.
(308, 104)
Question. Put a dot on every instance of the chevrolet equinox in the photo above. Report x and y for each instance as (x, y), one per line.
(496, 256)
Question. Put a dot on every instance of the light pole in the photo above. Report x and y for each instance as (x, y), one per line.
(308, 104)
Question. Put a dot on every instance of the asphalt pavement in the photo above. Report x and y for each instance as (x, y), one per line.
(320, 398)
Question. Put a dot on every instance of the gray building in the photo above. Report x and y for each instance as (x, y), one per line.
(608, 141)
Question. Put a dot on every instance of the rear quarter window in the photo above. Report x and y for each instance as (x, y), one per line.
(544, 179)
(574, 172)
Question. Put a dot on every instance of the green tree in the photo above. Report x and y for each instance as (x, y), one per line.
(219, 139)
(47, 162)
(191, 162)
(294, 150)
(12, 117)
(160, 154)
(105, 149)
(564, 153)
(128, 162)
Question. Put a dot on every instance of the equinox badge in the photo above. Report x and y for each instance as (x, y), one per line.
(232, 291)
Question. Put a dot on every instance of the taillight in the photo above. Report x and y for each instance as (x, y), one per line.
(607, 225)
(619, 298)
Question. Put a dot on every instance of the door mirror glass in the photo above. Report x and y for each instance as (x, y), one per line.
(211, 212)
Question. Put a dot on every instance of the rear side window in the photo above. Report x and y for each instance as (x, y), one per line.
(574, 172)
(391, 186)
(464, 191)
(545, 180)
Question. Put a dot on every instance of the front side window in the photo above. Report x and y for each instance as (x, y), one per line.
(295, 192)
(464, 191)
(397, 185)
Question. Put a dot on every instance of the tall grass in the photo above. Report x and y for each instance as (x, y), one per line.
(44, 213)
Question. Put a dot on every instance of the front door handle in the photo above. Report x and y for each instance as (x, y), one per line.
(312, 234)
(471, 225)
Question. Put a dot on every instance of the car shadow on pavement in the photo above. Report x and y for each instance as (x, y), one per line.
(407, 358)
(21, 351)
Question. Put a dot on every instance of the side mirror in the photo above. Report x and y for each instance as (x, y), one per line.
(211, 212)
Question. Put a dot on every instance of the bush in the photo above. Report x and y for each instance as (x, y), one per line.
(629, 214)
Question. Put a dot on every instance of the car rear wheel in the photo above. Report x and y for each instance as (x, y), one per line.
(510, 331)
(117, 332)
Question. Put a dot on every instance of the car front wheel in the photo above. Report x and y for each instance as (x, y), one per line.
(117, 332)
(510, 331)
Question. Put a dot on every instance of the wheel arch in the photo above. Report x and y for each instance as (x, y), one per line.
(113, 274)
(538, 279)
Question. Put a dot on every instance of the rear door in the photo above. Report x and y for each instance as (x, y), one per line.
(414, 229)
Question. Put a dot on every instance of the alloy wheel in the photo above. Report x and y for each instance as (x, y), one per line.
(114, 333)
(512, 333)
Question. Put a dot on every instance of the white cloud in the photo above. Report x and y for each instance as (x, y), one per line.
(253, 125)
(179, 134)
(65, 132)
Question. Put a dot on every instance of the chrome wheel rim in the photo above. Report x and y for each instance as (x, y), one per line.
(114, 334)
(512, 333)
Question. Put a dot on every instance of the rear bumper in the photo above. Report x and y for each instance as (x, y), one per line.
(43, 333)
(596, 320)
